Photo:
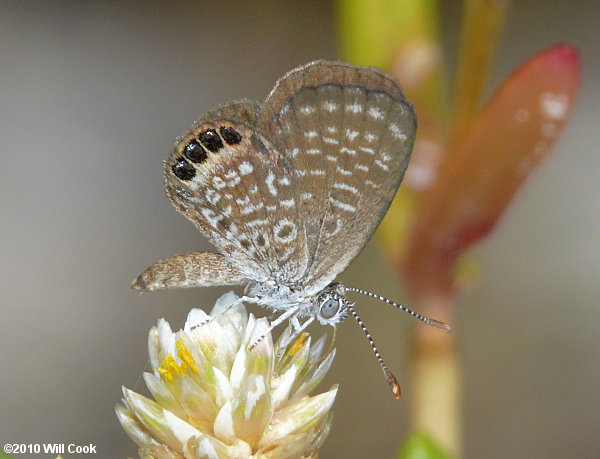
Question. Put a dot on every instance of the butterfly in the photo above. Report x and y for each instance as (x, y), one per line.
(289, 191)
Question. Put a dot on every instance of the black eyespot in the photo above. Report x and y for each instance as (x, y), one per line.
(211, 140)
(329, 308)
(195, 152)
(230, 135)
(183, 170)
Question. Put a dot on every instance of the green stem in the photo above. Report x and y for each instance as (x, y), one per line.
(481, 26)
(436, 379)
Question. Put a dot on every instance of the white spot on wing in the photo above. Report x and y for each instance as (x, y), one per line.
(233, 177)
(293, 152)
(370, 137)
(342, 205)
(307, 109)
(354, 108)
(331, 140)
(245, 168)
(212, 196)
(218, 182)
(351, 134)
(310, 134)
(330, 106)
(385, 167)
(345, 187)
(270, 185)
(375, 113)
(343, 171)
(397, 132)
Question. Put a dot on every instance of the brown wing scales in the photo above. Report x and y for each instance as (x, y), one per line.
(348, 133)
(241, 197)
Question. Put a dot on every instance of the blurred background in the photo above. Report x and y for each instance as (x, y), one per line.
(92, 96)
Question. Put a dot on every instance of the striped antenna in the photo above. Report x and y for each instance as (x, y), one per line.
(426, 320)
(391, 379)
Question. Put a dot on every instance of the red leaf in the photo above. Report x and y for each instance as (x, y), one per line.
(485, 168)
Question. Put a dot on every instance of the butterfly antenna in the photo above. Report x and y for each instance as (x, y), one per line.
(391, 379)
(426, 320)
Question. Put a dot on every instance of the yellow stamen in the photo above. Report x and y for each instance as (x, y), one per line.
(170, 366)
(298, 343)
(185, 355)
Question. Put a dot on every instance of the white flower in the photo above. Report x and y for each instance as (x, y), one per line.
(214, 398)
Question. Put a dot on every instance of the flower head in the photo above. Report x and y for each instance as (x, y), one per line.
(216, 398)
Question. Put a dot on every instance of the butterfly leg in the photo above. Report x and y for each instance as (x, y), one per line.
(192, 269)
(287, 314)
(241, 299)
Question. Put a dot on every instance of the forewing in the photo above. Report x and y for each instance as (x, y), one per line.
(233, 185)
(347, 133)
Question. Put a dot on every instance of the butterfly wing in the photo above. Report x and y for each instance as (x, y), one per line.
(347, 134)
(232, 183)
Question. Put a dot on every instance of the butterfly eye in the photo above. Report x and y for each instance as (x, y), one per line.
(329, 308)
(230, 135)
(183, 170)
(195, 152)
(211, 140)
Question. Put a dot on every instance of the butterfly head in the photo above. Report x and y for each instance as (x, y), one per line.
(330, 305)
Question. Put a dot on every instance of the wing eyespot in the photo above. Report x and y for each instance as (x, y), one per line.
(183, 170)
(230, 135)
(211, 140)
(195, 152)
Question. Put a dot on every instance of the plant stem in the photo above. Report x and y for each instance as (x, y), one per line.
(435, 377)
(482, 23)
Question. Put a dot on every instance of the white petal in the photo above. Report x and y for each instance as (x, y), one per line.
(194, 318)
(223, 389)
(162, 395)
(136, 431)
(151, 415)
(281, 386)
(238, 370)
(206, 446)
(256, 391)
(312, 379)
(181, 429)
(223, 303)
(223, 426)
(298, 417)
(317, 348)
(166, 338)
(206, 449)
(154, 349)
(218, 341)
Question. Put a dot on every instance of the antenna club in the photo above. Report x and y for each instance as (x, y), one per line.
(393, 382)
